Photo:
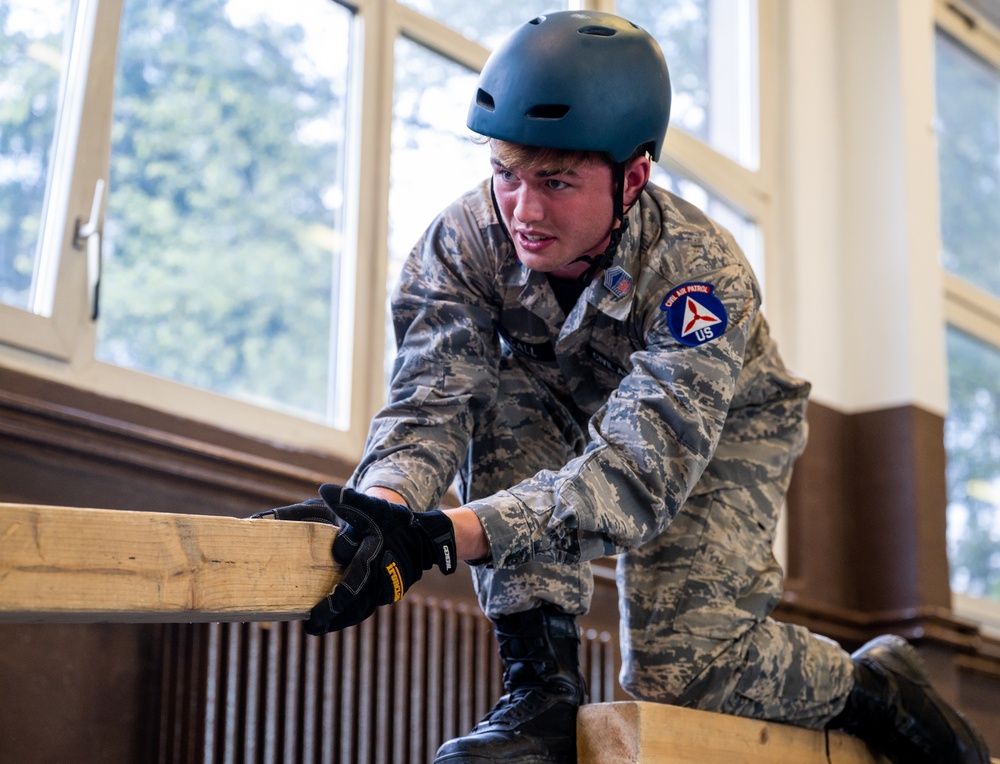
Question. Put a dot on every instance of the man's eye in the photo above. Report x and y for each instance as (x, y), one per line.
(557, 184)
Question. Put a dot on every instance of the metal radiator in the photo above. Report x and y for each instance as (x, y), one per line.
(390, 690)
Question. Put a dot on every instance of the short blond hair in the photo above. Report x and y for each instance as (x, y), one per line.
(517, 156)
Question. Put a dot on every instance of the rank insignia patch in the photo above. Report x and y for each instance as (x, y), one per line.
(618, 281)
(694, 314)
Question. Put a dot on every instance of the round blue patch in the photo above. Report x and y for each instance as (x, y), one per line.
(694, 314)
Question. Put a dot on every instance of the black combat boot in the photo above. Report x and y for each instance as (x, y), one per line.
(894, 709)
(535, 721)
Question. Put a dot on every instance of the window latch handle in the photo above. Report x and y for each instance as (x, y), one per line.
(89, 233)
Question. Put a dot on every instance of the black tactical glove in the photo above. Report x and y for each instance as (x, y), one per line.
(383, 549)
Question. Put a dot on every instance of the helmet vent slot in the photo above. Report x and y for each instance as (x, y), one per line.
(485, 100)
(598, 31)
(547, 111)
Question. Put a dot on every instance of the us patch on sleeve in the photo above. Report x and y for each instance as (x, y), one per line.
(694, 314)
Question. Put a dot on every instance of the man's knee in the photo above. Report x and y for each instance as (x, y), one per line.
(690, 671)
(642, 684)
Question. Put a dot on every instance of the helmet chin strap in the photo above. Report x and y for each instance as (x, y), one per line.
(496, 209)
(604, 260)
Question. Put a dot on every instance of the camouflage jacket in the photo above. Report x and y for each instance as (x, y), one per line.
(668, 355)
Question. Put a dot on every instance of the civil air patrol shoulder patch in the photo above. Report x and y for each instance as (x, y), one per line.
(694, 314)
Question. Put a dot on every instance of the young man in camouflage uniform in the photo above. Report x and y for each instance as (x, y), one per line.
(586, 352)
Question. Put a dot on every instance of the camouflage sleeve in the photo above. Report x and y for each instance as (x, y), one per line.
(650, 444)
(445, 370)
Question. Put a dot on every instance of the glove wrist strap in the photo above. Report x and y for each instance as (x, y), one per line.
(441, 536)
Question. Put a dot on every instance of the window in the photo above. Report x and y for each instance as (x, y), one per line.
(224, 231)
(203, 203)
(487, 21)
(968, 93)
(33, 47)
(711, 49)
(434, 157)
(968, 132)
(973, 442)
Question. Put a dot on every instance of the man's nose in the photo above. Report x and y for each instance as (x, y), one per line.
(528, 207)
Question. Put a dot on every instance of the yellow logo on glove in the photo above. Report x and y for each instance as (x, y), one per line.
(397, 581)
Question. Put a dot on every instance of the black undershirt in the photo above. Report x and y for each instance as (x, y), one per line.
(567, 291)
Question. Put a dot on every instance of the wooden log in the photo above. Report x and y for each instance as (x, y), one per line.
(62, 564)
(634, 732)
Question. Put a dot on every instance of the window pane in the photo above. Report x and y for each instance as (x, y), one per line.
(968, 134)
(434, 156)
(485, 21)
(224, 224)
(32, 52)
(711, 50)
(743, 229)
(972, 441)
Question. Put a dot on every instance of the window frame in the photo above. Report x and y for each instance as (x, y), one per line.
(967, 307)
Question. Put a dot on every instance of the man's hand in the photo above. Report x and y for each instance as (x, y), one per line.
(384, 549)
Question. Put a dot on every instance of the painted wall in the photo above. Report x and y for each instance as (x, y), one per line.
(859, 296)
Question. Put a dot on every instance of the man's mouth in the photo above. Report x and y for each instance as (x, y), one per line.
(532, 238)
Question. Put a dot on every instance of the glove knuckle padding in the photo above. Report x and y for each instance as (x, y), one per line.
(383, 548)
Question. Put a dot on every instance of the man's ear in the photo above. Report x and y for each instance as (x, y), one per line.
(636, 177)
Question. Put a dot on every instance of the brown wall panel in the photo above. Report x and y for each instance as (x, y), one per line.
(866, 512)
(81, 693)
(900, 504)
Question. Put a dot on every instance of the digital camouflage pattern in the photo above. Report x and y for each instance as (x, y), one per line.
(601, 433)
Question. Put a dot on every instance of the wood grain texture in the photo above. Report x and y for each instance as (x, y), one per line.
(635, 732)
(63, 564)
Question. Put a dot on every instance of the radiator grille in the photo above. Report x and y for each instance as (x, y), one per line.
(387, 691)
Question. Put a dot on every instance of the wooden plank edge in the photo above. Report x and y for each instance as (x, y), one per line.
(73, 565)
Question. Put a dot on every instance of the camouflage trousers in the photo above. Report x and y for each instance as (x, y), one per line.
(695, 601)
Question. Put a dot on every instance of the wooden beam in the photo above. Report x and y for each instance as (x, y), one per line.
(62, 564)
(654, 733)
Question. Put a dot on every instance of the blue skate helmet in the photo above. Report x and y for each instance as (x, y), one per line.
(576, 80)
